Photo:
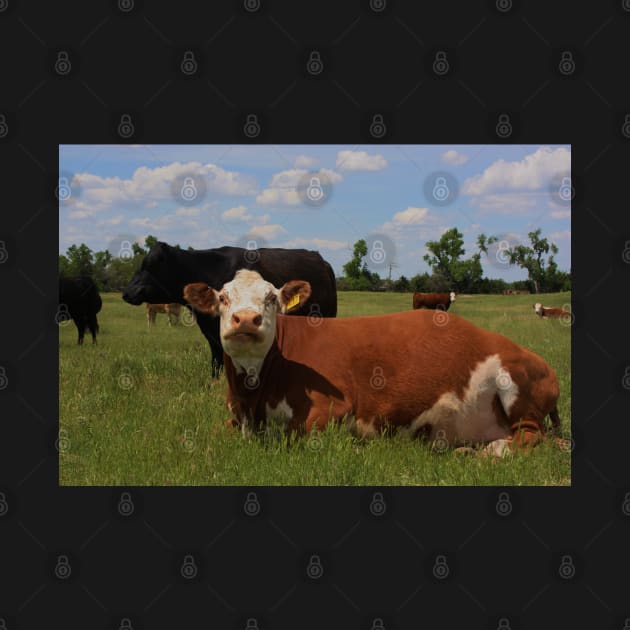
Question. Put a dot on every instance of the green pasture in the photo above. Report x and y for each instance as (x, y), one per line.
(139, 408)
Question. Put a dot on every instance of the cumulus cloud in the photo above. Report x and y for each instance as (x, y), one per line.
(560, 214)
(318, 243)
(506, 203)
(282, 189)
(268, 232)
(533, 172)
(411, 216)
(147, 186)
(407, 222)
(360, 161)
(454, 158)
(305, 161)
(560, 236)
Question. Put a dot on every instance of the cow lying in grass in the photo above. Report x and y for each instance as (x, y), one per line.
(426, 372)
(546, 311)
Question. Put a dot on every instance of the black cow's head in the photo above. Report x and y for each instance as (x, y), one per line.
(156, 281)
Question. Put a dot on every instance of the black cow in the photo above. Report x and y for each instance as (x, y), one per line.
(82, 300)
(166, 270)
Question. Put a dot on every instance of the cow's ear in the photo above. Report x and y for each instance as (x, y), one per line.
(202, 297)
(293, 294)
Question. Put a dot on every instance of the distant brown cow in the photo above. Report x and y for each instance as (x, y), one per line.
(433, 300)
(545, 311)
(172, 310)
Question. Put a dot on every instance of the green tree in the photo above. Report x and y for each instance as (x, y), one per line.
(150, 242)
(101, 261)
(537, 259)
(356, 267)
(80, 260)
(402, 285)
(445, 259)
(64, 265)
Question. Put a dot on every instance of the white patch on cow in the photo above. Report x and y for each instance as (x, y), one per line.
(249, 292)
(365, 429)
(471, 418)
(281, 413)
(452, 296)
(498, 448)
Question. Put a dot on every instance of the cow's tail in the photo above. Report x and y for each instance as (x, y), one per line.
(555, 421)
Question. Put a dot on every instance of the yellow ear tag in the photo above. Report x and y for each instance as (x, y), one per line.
(294, 301)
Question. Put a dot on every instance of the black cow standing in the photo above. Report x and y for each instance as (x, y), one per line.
(166, 270)
(83, 302)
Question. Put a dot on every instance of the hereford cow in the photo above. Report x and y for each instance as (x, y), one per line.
(545, 311)
(172, 310)
(80, 297)
(441, 377)
(165, 271)
(433, 300)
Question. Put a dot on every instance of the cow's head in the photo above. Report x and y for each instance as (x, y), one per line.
(152, 282)
(247, 306)
(538, 308)
(452, 296)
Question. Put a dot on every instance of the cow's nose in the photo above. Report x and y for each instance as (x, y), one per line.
(247, 318)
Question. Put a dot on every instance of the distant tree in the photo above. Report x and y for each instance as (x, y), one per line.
(80, 260)
(419, 282)
(64, 265)
(101, 261)
(356, 266)
(150, 242)
(402, 285)
(445, 259)
(537, 259)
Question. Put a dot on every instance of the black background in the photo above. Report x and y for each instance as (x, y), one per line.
(374, 62)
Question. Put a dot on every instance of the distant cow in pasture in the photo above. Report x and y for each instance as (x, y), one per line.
(172, 310)
(80, 297)
(433, 300)
(545, 311)
(441, 378)
(165, 271)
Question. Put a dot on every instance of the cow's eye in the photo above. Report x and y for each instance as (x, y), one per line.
(222, 299)
(271, 298)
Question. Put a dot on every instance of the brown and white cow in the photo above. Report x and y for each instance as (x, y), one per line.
(433, 300)
(173, 312)
(428, 373)
(545, 311)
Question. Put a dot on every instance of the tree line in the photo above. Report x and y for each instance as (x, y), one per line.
(450, 271)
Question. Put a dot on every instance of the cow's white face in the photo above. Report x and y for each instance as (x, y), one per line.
(538, 308)
(452, 296)
(247, 306)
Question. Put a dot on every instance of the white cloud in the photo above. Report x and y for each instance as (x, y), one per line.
(560, 214)
(147, 186)
(533, 172)
(411, 216)
(506, 203)
(560, 236)
(238, 213)
(319, 243)
(112, 221)
(268, 231)
(360, 161)
(282, 188)
(305, 161)
(454, 158)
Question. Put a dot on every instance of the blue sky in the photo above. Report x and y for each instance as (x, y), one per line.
(322, 197)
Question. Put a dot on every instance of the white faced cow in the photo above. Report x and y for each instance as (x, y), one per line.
(427, 372)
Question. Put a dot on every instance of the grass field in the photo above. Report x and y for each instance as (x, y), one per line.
(139, 409)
